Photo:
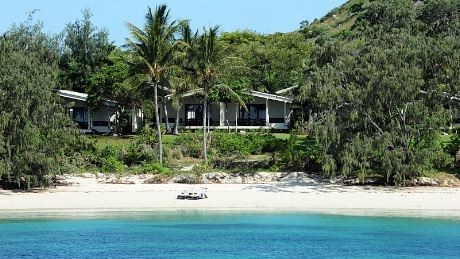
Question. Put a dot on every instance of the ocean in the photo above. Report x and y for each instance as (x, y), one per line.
(226, 235)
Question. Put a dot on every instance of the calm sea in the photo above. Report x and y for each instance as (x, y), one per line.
(227, 235)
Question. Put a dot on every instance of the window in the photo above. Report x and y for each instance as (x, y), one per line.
(80, 116)
(255, 116)
(193, 114)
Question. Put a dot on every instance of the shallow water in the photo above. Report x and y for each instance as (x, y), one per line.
(226, 235)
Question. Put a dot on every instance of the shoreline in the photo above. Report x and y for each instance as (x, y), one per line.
(88, 196)
(133, 213)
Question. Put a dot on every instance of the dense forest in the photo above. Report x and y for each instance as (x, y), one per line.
(378, 83)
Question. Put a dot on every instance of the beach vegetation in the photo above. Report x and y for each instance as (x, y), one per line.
(36, 136)
(377, 92)
(85, 50)
(379, 98)
(152, 52)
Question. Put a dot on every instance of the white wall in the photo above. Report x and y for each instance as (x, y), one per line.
(276, 109)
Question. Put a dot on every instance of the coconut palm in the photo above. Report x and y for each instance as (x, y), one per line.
(212, 69)
(184, 80)
(153, 51)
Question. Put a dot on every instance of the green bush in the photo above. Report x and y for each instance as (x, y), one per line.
(138, 153)
(230, 143)
(144, 148)
(454, 145)
(225, 143)
(147, 135)
(155, 168)
(300, 157)
(190, 144)
(110, 151)
(112, 165)
(245, 144)
(440, 159)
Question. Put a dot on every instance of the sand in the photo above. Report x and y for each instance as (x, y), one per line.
(88, 195)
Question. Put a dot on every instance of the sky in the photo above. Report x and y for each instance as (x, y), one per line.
(263, 16)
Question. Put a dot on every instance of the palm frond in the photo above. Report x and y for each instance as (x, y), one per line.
(232, 95)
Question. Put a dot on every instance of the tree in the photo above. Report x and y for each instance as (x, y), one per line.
(214, 71)
(440, 17)
(153, 53)
(35, 133)
(110, 83)
(274, 61)
(86, 50)
(185, 80)
(379, 104)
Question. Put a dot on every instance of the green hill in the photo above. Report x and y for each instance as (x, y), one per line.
(338, 21)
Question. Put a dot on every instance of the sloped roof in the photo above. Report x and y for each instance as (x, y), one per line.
(73, 95)
(80, 96)
(273, 97)
(285, 90)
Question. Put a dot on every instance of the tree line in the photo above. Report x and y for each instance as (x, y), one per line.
(381, 93)
(374, 96)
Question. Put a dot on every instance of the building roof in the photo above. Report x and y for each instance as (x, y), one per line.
(273, 97)
(285, 90)
(80, 96)
(73, 95)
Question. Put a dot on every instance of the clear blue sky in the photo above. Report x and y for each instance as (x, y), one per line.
(264, 16)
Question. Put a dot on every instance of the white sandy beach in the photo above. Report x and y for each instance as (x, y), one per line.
(89, 195)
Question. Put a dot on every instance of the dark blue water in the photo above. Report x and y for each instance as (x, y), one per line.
(217, 235)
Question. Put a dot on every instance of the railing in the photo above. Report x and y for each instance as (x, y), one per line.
(251, 122)
(82, 125)
(276, 120)
(194, 122)
(100, 123)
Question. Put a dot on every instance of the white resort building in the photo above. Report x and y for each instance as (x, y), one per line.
(101, 120)
(265, 111)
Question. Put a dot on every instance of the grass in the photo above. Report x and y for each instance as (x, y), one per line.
(122, 141)
(119, 142)
(285, 136)
(445, 138)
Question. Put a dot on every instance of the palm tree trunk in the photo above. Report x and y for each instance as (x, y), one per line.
(226, 117)
(205, 113)
(209, 120)
(165, 108)
(157, 120)
(176, 125)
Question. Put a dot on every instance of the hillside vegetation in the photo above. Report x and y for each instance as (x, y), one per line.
(379, 82)
(338, 21)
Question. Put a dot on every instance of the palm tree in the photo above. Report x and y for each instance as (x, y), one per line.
(153, 50)
(185, 80)
(212, 68)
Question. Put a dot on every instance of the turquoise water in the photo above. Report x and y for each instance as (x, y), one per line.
(218, 235)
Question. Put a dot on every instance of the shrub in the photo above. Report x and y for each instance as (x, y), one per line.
(356, 7)
(110, 151)
(147, 135)
(138, 153)
(144, 148)
(231, 144)
(292, 156)
(245, 144)
(112, 165)
(454, 145)
(155, 168)
(440, 159)
(190, 144)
